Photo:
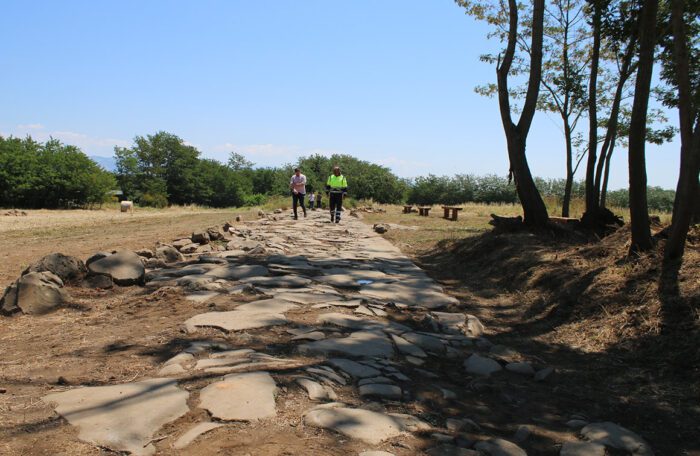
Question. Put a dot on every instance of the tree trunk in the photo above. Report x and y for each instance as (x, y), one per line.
(569, 170)
(639, 210)
(687, 188)
(606, 174)
(611, 133)
(534, 210)
(592, 199)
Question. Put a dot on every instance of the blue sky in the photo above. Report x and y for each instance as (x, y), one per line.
(387, 81)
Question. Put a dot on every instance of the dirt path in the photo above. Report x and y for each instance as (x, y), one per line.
(302, 338)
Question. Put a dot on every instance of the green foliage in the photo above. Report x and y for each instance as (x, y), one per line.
(658, 199)
(158, 200)
(365, 180)
(49, 175)
(461, 188)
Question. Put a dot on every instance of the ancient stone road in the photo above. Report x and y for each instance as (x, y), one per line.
(337, 290)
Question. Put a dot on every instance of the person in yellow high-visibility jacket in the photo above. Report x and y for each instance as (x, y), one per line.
(336, 189)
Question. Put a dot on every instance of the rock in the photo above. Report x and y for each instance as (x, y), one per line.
(313, 335)
(576, 424)
(122, 417)
(155, 263)
(380, 390)
(376, 453)
(236, 272)
(353, 368)
(520, 368)
(542, 374)
(146, 253)
(500, 447)
(316, 391)
(68, 268)
(474, 326)
(96, 256)
(454, 425)
(194, 432)
(429, 343)
(241, 397)
(200, 237)
(480, 365)
(415, 361)
(380, 228)
(124, 267)
(235, 320)
(286, 281)
(450, 450)
(504, 353)
(365, 425)
(169, 254)
(34, 293)
(378, 379)
(180, 243)
(204, 248)
(360, 344)
(447, 394)
(408, 348)
(615, 436)
(447, 322)
(582, 449)
(416, 293)
(171, 370)
(99, 281)
(189, 248)
(522, 434)
(326, 373)
(214, 233)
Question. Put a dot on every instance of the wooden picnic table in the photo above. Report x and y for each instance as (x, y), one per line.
(424, 210)
(455, 210)
(407, 209)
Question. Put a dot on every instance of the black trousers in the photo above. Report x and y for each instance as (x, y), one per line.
(298, 199)
(336, 203)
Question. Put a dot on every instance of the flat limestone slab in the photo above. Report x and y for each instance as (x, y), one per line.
(413, 294)
(361, 344)
(241, 397)
(354, 369)
(122, 417)
(370, 427)
(615, 436)
(235, 320)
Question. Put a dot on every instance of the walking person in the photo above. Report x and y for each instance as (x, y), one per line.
(298, 186)
(336, 188)
(312, 198)
(319, 198)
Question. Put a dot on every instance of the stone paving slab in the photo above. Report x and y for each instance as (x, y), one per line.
(241, 397)
(122, 417)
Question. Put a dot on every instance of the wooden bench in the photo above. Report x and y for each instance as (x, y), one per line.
(455, 211)
(407, 209)
(424, 210)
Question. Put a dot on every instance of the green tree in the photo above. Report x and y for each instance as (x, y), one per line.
(494, 13)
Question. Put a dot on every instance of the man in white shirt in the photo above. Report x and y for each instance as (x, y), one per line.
(298, 186)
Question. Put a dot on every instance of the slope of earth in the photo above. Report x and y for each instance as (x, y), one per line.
(623, 331)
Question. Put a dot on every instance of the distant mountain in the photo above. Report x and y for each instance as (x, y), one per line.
(108, 163)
